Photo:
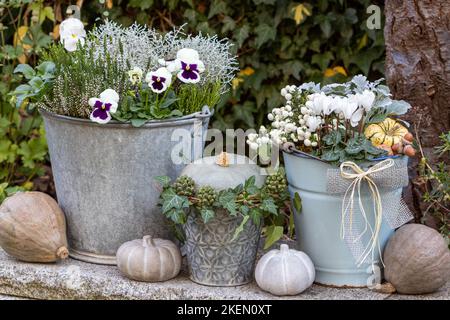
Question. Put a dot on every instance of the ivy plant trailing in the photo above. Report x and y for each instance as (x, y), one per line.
(183, 197)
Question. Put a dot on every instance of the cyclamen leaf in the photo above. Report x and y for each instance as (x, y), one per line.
(273, 234)
(138, 122)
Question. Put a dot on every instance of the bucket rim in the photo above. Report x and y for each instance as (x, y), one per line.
(203, 115)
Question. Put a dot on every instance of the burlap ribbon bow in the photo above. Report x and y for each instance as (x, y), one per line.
(383, 181)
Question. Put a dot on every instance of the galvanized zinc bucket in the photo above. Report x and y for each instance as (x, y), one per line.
(318, 225)
(104, 174)
(214, 258)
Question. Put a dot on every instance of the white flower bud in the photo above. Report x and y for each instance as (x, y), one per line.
(283, 92)
(301, 122)
(270, 117)
(288, 96)
(288, 108)
(307, 142)
(314, 144)
(307, 134)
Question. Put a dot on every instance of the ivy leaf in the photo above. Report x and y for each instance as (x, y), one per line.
(176, 215)
(171, 200)
(297, 202)
(163, 181)
(207, 214)
(142, 4)
(216, 7)
(255, 214)
(264, 33)
(300, 13)
(273, 234)
(227, 200)
(322, 59)
(269, 206)
(242, 34)
(240, 228)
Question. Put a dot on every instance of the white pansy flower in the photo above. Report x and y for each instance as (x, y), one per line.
(159, 80)
(187, 64)
(71, 31)
(103, 106)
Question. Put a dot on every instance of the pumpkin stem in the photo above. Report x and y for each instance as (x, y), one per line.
(284, 248)
(222, 160)
(62, 253)
(148, 241)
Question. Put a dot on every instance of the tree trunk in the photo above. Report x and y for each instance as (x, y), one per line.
(417, 35)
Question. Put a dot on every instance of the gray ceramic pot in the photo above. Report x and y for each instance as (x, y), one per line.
(104, 178)
(214, 259)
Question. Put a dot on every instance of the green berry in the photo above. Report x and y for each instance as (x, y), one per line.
(276, 183)
(184, 186)
(206, 196)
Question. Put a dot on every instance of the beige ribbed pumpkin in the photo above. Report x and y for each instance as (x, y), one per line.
(149, 259)
(33, 228)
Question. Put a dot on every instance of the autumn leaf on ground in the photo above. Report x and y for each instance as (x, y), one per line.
(300, 12)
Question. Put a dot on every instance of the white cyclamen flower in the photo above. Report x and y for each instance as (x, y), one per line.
(351, 110)
(103, 106)
(313, 123)
(71, 31)
(135, 75)
(365, 99)
(159, 80)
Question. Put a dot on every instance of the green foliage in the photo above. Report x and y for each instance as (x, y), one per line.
(247, 200)
(435, 184)
(23, 148)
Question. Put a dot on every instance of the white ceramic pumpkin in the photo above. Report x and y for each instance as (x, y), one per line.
(149, 260)
(285, 271)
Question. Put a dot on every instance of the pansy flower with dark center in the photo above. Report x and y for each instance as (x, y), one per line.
(159, 80)
(104, 106)
(187, 65)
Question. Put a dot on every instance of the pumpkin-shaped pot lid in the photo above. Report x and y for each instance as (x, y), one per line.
(224, 171)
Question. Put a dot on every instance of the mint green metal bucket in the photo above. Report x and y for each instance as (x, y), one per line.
(318, 225)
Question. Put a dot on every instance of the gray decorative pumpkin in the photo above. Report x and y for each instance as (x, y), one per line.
(224, 171)
(285, 271)
(149, 260)
(417, 260)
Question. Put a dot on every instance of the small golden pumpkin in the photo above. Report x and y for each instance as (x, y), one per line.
(388, 132)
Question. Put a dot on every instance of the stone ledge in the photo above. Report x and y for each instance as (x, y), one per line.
(72, 279)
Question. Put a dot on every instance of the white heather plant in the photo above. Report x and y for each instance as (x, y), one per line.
(154, 76)
(335, 122)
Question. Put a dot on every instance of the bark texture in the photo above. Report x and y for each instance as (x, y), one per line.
(417, 36)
